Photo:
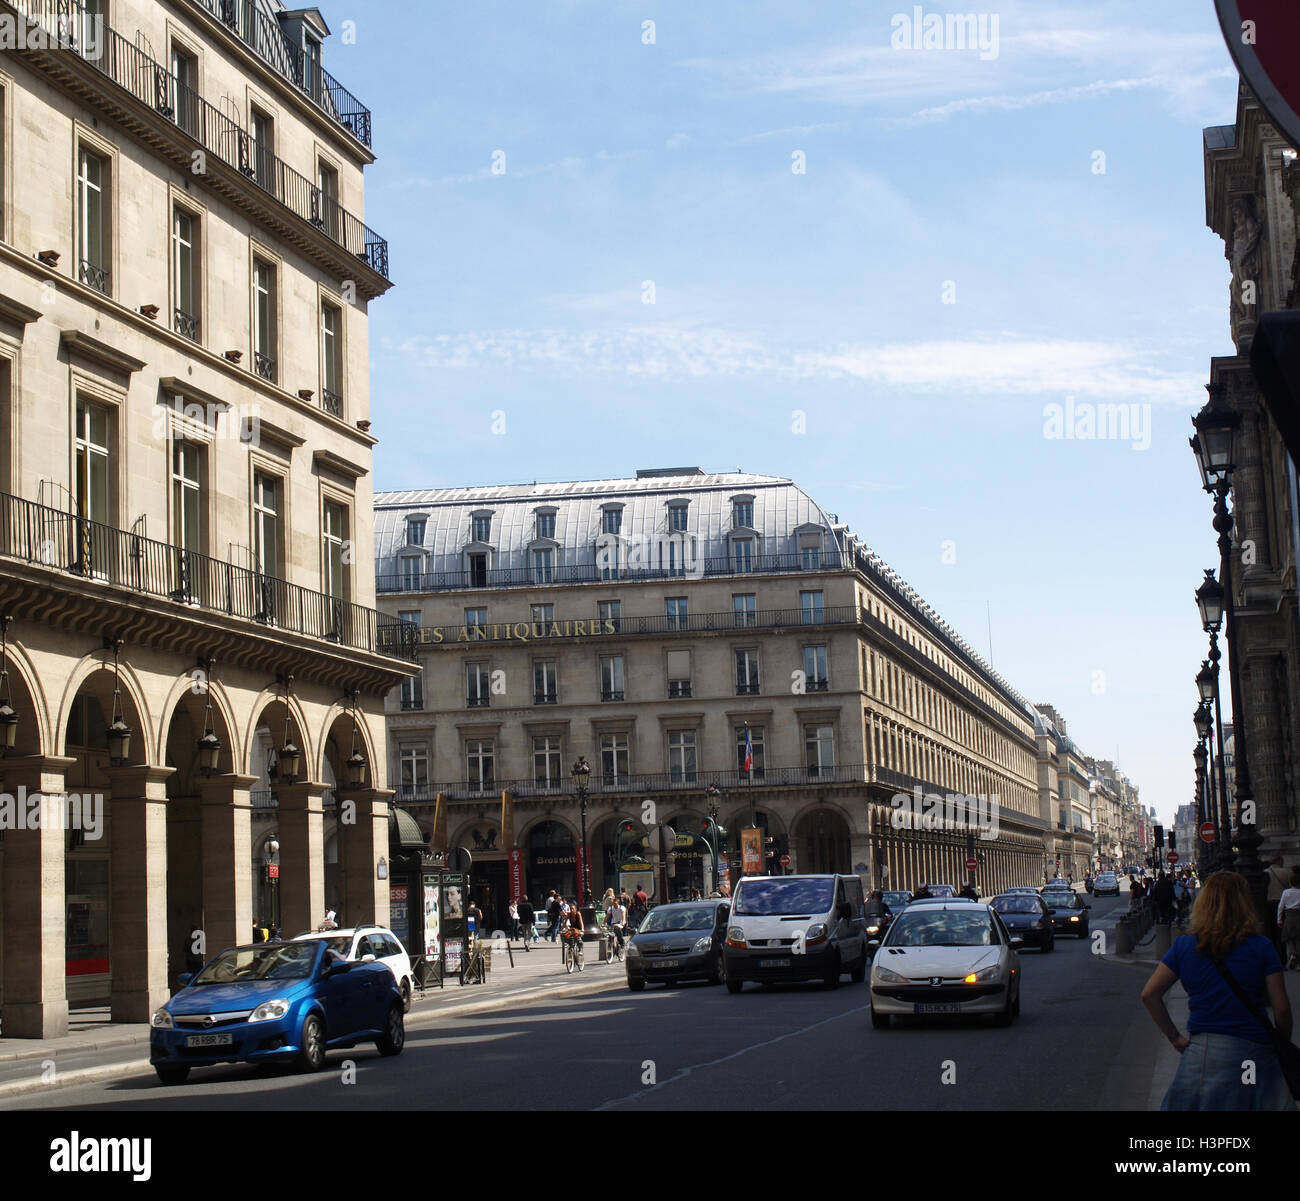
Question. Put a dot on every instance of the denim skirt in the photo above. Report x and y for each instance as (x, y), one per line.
(1210, 1076)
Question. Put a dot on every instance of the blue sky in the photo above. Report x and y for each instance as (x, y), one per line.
(822, 292)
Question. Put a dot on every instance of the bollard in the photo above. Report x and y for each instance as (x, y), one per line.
(1123, 938)
(1161, 944)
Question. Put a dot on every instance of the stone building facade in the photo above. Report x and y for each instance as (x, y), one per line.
(646, 625)
(185, 491)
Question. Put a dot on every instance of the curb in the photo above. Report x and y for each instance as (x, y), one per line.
(18, 1088)
(106, 1044)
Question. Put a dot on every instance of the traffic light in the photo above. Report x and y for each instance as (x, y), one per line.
(1172, 835)
(1160, 837)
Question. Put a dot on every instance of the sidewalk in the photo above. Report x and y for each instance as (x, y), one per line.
(97, 1048)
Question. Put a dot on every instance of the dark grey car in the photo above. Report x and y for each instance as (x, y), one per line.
(679, 942)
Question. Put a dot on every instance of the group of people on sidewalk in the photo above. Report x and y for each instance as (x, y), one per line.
(1170, 892)
(564, 914)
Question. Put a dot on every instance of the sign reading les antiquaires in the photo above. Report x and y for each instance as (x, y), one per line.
(506, 631)
(1263, 37)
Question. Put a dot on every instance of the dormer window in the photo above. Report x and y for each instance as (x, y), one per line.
(415, 527)
(678, 511)
(742, 512)
(611, 519)
(480, 527)
(546, 523)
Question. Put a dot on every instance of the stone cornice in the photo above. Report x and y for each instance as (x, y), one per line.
(81, 345)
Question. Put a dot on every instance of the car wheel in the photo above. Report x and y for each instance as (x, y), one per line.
(636, 985)
(718, 972)
(172, 1073)
(734, 985)
(879, 1021)
(1015, 1007)
(1004, 1018)
(312, 1056)
(1049, 944)
(859, 972)
(832, 977)
(406, 996)
(393, 1038)
(1083, 933)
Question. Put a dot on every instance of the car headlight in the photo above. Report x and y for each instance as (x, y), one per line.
(632, 951)
(982, 977)
(735, 936)
(886, 976)
(873, 929)
(1074, 919)
(815, 933)
(268, 1011)
(702, 944)
(162, 1020)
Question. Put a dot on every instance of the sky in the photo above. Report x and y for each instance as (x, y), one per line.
(764, 236)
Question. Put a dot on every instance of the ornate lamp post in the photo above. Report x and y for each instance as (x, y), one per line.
(1203, 756)
(1215, 444)
(118, 732)
(8, 715)
(270, 857)
(209, 746)
(290, 757)
(714, 793)
(581, 772)
(356, 764)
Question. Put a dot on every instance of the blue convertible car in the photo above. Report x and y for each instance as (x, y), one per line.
(276, 1002)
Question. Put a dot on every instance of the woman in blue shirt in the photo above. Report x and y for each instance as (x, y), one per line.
(1222, 1035)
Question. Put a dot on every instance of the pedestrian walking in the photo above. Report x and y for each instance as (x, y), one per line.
(513, 913)
(1219, 958)
(527, 916)
(1163, 895)
(1135, 893)
(554, 911)
(1278, 881)
(1288, 919)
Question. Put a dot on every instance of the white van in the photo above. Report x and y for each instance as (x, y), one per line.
(796, 928)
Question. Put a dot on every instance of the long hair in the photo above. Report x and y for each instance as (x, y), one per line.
(1224, 915)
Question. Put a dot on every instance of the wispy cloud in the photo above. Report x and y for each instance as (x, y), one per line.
(677, 141)
(790, 131)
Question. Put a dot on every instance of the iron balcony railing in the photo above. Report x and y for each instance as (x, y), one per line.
(261, 33)
(264, 365)
(76, 546)
(186, 324)
(331, 402)
(526, 631)
(152, 84)
(591, 573)
(94, 275)
(265, 798)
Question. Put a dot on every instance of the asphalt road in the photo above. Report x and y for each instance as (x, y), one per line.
(1082, 1034)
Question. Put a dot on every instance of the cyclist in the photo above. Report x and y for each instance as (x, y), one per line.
(573, 929)
(616, 919)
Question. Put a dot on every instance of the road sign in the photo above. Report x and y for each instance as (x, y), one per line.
(272, 871)
(785, 860)
(1207, 831)
(972, 864)
(1172, 856)
(1262, 36)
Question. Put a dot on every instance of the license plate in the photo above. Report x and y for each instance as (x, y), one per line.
(771, 963)
(953, 1007)
(669, 963)
(209, 1040)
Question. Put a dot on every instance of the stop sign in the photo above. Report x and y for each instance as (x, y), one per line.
(1207, 831)
(785, 860)
(1262, 36)
(971, 865)
(1172, 856)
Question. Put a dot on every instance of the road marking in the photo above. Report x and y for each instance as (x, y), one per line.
(682, 1073)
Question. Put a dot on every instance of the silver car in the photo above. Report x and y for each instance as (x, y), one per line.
(946, 958)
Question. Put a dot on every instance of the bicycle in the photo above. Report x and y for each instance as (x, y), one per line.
(620, 941)
(573, 955)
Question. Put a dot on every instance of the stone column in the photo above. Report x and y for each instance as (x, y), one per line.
(225, 811)
(138, 891)
(35, 946)
(363, 841)
(302, 856)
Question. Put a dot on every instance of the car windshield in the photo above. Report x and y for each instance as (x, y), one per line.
(342, 945)
(670, 917)
(1017, 904)
(895, 899)
(942, 928)
(1060, 900)
(267, 961)
(940, 890)
(759, 898)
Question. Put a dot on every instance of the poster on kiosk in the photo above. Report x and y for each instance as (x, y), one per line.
(455, 887)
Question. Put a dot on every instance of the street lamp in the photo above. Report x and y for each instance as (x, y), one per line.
(8, 715)
(209, 746)
(270, 857)
(714, 793)
(290, 757)
(118, 733)
(1199, 756)
(1214, 444)
(1209, 601)
(581, 772)
(356, 764)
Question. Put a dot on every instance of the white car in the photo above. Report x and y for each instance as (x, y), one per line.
(952, 957)
(363, 944)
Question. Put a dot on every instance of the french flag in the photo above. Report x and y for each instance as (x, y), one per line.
(749, 751)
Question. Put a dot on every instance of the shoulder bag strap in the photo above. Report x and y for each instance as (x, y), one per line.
(1255, 1011)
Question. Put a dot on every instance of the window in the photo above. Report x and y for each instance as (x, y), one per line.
(743, 606)
(477, 686)
(546, 525)
(415, 770)
(742, 513)
(415, 527)
(810, 552)
(263, 136)
(264, 319)
(266, 524)
(326, 201)
(545, 686)
(413, 693)
(185, 273)
(611, 678)
(611, 521)
(756, 742)
(409, 617)
(92, 220)
(476, 617)
(610, 612)
(675, 609)
(614, 759)
(814, 669)
(334, 536)
(672, 556)
(542, 613)
(681, 756)
(819, 747)
(184, 108)
(481, 529)
(187, 496)
(331, 354)
(546, 762)
(747, 673)
(311, 78)
(677, 517)
(411, 573)
(543, 566)
(478, 571)
(92, 453)
(811, 609)
(679, 673)
(742, 554)
(480, 772)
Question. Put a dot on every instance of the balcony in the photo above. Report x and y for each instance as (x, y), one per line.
(332, 403)
(743, 689)
(545, 698)
(477, 702)
(589, 573)
(104, 556)
(152, 86)
(93, 275)
(611, 694)
(679, 688)
(264, 365)
(186, 324)
(262, 35)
